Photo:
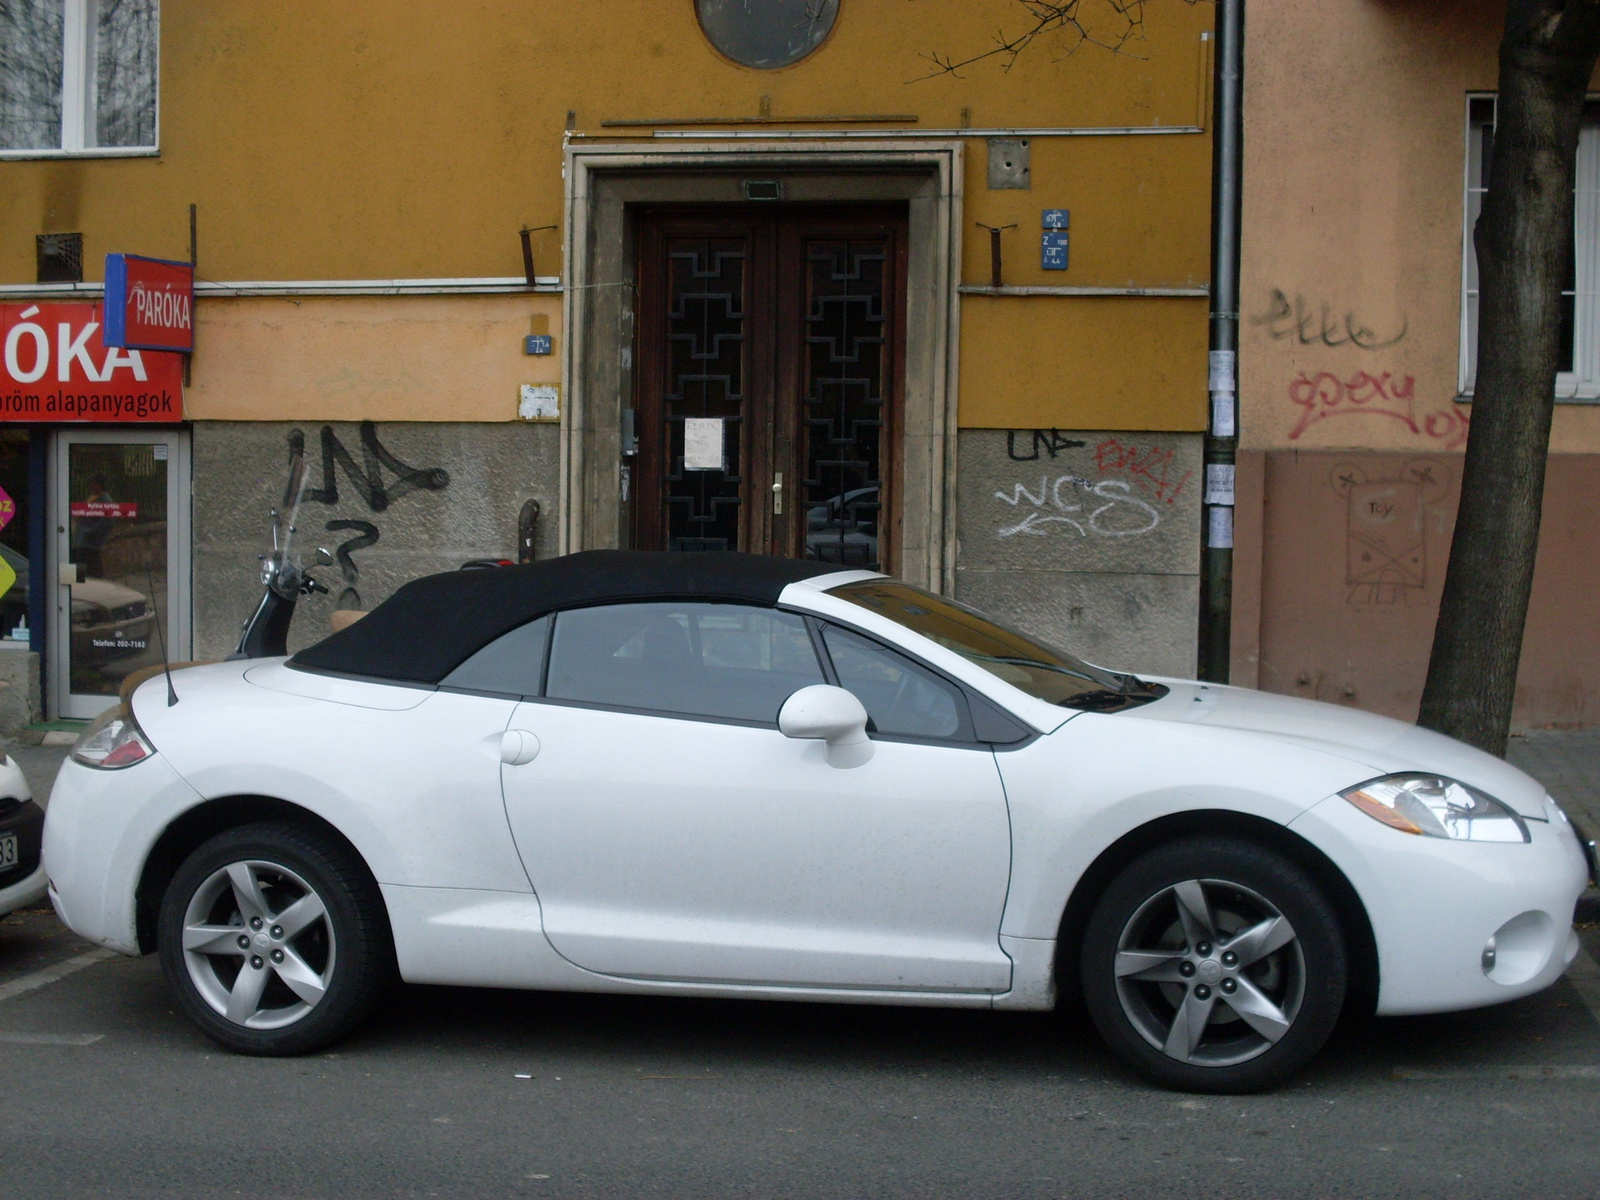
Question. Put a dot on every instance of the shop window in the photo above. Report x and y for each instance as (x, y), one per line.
(1579, 377)
(14, 493)
(78, 76)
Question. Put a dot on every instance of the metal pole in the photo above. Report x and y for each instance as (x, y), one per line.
(1222, 435)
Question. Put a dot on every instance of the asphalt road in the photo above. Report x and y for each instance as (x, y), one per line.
(105, 1091)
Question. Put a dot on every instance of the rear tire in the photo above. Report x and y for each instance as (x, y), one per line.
(1214, 964)
(275, 939)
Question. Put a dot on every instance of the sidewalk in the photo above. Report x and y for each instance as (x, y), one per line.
(1567, 762)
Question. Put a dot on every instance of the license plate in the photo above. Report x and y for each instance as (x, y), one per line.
(8, 850)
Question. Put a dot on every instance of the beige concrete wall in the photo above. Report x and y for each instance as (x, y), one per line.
(1355, 142)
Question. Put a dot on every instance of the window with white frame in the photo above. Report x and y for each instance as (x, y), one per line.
(78, 76)
(1579, 377)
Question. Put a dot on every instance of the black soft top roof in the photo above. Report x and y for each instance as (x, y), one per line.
(432, 625)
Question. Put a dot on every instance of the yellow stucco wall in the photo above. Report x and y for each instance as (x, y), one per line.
(351, 358)
(1353, 180)
(374, 140)
(1121, 363)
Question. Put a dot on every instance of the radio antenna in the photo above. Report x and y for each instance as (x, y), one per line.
(161, 638)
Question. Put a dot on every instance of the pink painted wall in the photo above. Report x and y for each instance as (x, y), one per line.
(1355, 148)
(1355, 144)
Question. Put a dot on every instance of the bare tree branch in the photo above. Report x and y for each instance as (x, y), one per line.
(1071, 21)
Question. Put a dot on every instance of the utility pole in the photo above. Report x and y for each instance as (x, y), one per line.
(1222, 434)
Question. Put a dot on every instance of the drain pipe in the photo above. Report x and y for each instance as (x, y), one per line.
(1222, 435)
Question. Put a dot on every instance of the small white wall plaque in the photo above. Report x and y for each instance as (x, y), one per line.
(540, 402)
(702, 444)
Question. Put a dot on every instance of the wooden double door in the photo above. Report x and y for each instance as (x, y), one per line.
(767, 404)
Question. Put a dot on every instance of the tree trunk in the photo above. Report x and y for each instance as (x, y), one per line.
(1523, 239)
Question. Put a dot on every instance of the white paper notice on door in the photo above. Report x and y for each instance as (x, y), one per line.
(702, 444)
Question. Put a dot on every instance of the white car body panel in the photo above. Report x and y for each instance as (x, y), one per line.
(1097, 779)
(699, 858)
(708, 852)
(491, 939)
(98, 832)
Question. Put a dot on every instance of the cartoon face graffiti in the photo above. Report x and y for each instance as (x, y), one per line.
(1385, 544)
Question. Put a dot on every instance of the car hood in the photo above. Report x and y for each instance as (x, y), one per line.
(1380, 745)
(103, 591)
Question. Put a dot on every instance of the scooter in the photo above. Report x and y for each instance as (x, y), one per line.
(283, 580)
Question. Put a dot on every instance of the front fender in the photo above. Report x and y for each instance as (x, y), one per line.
(1076, 792)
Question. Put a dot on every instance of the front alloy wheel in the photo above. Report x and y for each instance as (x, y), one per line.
(275, 939)
(1210, 973)
(1214, 965)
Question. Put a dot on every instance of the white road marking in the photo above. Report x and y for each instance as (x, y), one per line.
(1407, 1075)
(50, 1039)
(49, 975)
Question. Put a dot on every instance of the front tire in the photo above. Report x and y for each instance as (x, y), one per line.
(1214, 965)
(275, 939)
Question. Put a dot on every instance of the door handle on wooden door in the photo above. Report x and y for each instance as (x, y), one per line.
(777, 493)
(518, 746)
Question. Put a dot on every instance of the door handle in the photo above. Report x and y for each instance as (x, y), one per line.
(777, 493)
(518, 746)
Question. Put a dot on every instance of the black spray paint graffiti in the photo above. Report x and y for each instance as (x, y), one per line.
(367, 534)
(368, 481)
(1049, 440)
(1284, 320)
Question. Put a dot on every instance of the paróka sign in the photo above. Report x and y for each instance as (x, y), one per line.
(55, 366)
(149, 303)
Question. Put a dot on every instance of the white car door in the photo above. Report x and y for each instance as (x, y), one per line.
(671, 832)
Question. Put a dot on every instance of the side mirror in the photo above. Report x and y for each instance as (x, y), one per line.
(835, 716)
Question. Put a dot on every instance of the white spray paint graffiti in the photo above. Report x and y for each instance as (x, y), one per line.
(1120, 515)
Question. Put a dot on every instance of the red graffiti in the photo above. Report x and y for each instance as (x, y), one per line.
(1325, 395)
(1151, 467)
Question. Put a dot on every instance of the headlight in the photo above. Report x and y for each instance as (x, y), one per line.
(112, 741)
(1437, 807)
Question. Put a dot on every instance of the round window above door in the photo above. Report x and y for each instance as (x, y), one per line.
(766, 33)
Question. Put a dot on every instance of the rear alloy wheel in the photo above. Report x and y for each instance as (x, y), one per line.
(1214, 965)
(274, 939)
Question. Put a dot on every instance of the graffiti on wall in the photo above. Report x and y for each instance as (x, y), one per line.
(1136, 482)
(1321, 327)
(1154, 468)
(1051, 441)
(367, 480)
(1386, 553)
(1324, 395)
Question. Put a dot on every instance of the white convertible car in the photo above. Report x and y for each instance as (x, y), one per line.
(724, 775)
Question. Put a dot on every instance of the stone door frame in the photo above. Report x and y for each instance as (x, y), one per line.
(605, 183)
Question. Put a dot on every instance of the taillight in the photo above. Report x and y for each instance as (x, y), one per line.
(113, 741)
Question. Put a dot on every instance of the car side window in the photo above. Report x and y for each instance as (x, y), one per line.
(901, 697)
(701, 660)
(513, 663)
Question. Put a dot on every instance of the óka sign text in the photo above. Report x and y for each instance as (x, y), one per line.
(55, 366)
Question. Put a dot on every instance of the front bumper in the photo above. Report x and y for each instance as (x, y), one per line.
(1435, 904)
(23, 883)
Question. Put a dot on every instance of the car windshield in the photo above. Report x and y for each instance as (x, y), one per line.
(1050, 675)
